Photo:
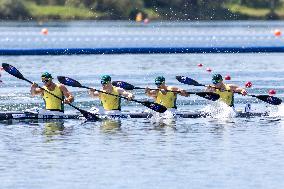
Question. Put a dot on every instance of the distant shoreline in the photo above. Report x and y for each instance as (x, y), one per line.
(42, 13)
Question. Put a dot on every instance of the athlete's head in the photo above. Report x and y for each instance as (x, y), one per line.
(46, 78)
(105, 79)
(217, 78)
(159, 81)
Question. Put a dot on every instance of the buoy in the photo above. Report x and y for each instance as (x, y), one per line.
(271, 92)
(227, 77)
(146, 21)
(44, 31)
(277, 33)
(208, 69)
(248, 84)
(200, 65)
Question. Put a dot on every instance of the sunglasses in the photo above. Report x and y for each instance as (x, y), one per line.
(158, 84)
(216, 81)
(45, 80)
(104, 82)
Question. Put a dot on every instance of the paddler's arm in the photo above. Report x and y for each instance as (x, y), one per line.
(179, 91)
(69, 97)
(124, 93)
(151, 93)
(210, 88)
(35, 90)
(93, 93)
(237, 89)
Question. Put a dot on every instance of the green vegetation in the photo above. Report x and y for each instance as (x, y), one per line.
(60, 12)
(152, 9)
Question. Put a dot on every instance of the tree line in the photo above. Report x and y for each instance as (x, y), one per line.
(127, 9)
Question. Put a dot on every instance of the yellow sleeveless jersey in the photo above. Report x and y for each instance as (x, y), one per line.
(226, 96)
(110, 102)
(168, 100)
(51, 102)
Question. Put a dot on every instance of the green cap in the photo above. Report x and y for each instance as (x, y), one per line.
(105, 79)
(159, 80)
(46, 75)
(217, 78)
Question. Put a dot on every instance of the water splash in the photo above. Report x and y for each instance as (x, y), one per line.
(219, 110)
(275, 111)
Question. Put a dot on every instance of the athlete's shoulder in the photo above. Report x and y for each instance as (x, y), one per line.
(61, 86)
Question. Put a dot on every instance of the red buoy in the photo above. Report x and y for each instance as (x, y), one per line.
(146, 21)
(209, 70)
(272, 92)
(44, 31)
(248, 84)
(200, 65)
(277, 33)
(227, 77)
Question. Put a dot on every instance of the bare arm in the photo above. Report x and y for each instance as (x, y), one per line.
(210, 89)
(69, 97)
(179, 91)
(93, 93)
(35, 90)
(124, 93)
(237, 89)
(151, 93)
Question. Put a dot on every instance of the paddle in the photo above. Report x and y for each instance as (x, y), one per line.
(266, 98)
(206, 95)
(16, 73)
(73, 83)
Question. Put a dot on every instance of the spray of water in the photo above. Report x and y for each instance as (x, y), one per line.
(219, 110)
(276, 111)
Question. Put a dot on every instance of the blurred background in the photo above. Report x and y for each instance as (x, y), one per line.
(139, 10)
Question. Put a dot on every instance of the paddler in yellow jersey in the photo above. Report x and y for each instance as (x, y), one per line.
(111, 104)
(226, 91)
(52, 103)
(165, 95)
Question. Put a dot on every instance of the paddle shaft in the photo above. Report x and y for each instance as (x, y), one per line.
(260, 97)
(225, 90)
(167, 90)
(53, 95)
(138, 101)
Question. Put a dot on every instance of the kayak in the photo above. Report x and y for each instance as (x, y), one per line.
(30, 115)
(62, 116)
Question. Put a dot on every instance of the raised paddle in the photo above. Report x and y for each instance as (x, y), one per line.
(266, 98)
(16, 73)
(206, 95)
(73, 83)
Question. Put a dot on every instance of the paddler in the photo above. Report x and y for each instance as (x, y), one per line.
(52, 103)
(165, 95)
(226, 91)
(111, 104)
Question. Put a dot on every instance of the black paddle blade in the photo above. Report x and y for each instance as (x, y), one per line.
(68, 81)
(188, 81)
(154, 106)
(12, 70)
(269, 99)
(123, 85)
(90, 116)
(209, 95)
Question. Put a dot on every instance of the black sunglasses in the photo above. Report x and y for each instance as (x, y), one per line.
(45, 80)
(104, 82)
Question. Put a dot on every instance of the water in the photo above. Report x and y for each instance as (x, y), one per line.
(128, 34)
(141, 153)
